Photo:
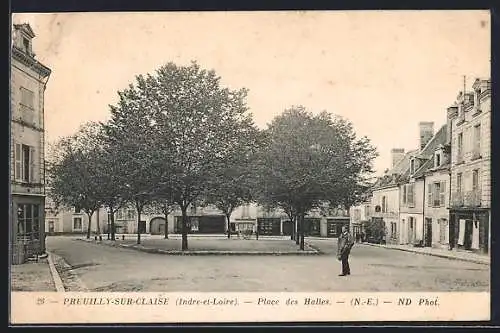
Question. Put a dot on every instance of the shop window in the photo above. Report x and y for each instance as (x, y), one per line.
(28, 221)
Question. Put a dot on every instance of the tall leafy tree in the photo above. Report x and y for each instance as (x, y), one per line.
(74, 171)
(312, 159)
(111, 179)
(197, 122)
(130, 134)
(232, 184)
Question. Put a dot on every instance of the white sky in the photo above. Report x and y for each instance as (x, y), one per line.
(383, 70)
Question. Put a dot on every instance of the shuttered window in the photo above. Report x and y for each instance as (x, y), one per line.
(24, 163)
(442, 194)
(27, 98)
(429, 195)
(17, 162)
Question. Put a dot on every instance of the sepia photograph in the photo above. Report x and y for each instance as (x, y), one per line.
(208, 154)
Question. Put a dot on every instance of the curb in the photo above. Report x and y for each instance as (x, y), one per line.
(55, 275)
(135, 247)
(431, 254)
(72, 281)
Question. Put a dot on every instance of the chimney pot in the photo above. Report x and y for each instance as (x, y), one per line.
(426, 129)
(397, 155)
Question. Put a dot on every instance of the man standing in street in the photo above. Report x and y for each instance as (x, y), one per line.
(345, 243)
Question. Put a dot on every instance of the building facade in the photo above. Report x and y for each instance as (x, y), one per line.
(417, 215)
(74, 221)
(360, 215)
(437, 197)
(386, 205)
(27, 176)
(470, 123)
(201, 220)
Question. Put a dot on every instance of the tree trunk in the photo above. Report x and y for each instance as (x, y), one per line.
(166, 225)
(139, 209)
(228, 217)
(184, 244)
(297, 233)
(98, 226)
(90, 224)
(112, 217)
(292, 220)
(302, 231)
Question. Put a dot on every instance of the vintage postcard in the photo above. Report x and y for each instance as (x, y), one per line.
(289, 166)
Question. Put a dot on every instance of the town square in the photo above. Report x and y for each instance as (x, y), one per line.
(308, 152)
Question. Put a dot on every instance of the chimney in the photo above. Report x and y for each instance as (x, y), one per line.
(426, 129)
(452, 113)
(397, 155)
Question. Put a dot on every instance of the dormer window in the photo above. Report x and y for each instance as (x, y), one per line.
(26, 44)
(412, 166)
(23, 36)
(477, 96)
(437, 159)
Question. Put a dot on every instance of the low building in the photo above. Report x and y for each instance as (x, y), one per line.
(386, 196)
(360, 215)
(65, 221)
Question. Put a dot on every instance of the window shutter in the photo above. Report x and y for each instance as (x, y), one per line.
(442, 193)
(404, 194)
(410, 194)
(17, 161)
(32, 165)
(429, 195)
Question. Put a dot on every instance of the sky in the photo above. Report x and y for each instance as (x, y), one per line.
(385, 71)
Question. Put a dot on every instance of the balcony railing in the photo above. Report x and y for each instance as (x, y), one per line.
(476, 153)
(466, 199)
(384, 214)
(457, 199)
(473, 198)
(460, 158)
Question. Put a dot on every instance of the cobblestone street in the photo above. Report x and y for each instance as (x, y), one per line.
(104, 268)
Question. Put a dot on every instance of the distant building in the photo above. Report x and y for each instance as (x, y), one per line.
(386, 195)
(201, 220)
(27, 175)
(360, 215)
(469, 121)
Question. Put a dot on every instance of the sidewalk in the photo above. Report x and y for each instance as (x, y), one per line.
(442, 253)
(209, 246)
(196, 236)
(32, 276)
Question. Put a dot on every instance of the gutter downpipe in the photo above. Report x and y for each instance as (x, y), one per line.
(423, 214)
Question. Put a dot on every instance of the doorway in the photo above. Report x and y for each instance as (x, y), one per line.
(411, 229)
(142, 227)
(428, 232)
(468, 234)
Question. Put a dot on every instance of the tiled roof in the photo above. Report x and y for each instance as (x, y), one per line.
(428, 152)
(399, 172)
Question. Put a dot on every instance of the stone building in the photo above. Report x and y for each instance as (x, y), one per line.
(386, 194)
(27, 175)
(65, 220)
(469, 120)
(433, 192)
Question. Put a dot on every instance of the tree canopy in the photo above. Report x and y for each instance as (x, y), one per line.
(312, 159)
